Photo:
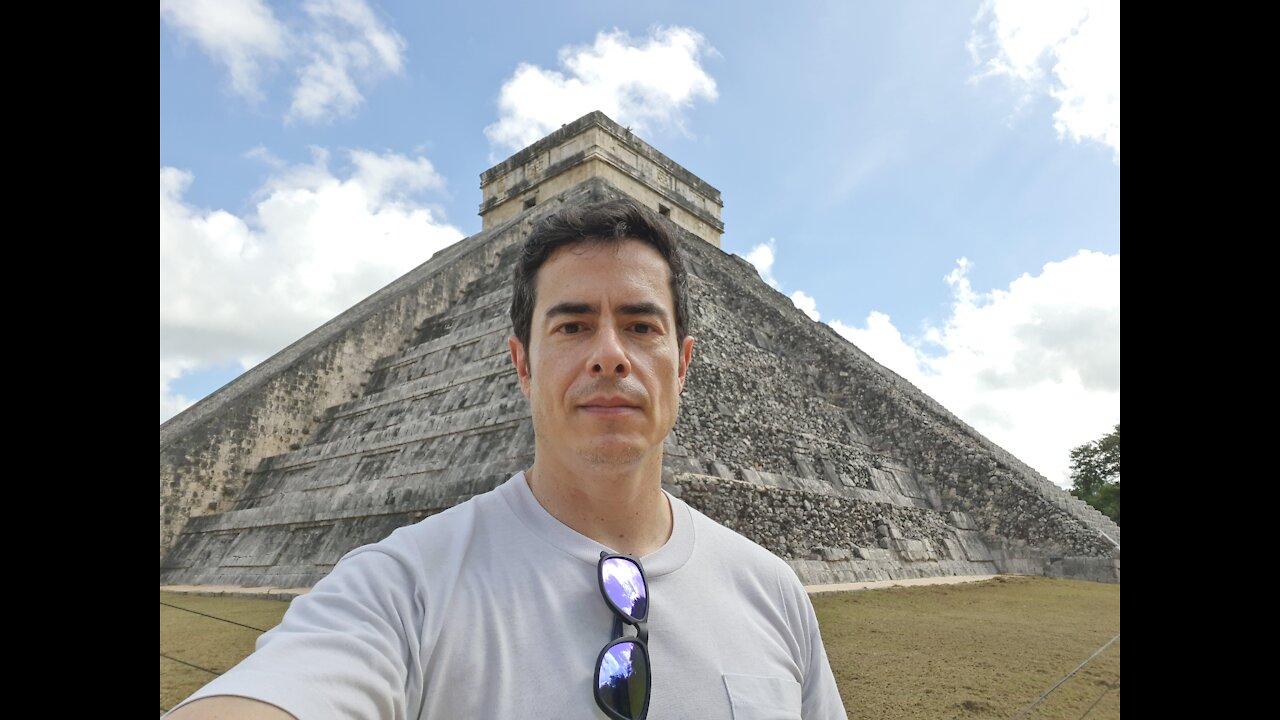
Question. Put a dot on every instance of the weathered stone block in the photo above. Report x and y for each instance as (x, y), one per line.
(723, 471)
(832, 554)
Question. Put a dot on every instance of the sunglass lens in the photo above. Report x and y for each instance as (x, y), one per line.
(622, 680)
(625, 587)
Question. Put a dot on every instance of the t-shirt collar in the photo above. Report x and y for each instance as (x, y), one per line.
(666, 559)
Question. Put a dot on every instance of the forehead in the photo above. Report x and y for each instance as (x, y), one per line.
(623, 271)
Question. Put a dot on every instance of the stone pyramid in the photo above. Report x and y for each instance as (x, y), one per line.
(406, 404)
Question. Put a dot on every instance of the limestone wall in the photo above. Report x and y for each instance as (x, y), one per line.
(830, 538)
(209, 451)
(774, 395)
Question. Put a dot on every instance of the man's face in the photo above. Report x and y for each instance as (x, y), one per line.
(603, 370)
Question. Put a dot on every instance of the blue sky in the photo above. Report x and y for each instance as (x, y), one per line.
(939, 181)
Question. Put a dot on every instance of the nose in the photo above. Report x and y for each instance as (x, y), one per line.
(608, 357)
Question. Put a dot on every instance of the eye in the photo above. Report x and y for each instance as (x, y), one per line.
(571, 328)
(642, 328)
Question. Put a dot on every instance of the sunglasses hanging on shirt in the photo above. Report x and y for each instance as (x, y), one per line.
(622, 670)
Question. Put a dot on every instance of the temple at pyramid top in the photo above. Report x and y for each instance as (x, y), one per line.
(595, 146)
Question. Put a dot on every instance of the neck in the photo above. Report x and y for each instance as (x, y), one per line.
(624, 510)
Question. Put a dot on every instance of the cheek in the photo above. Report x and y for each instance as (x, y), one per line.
(665, 371)
(548, 379)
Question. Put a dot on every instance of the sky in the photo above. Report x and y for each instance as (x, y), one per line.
(937, 180)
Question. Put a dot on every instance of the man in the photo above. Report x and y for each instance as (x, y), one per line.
(501, 607)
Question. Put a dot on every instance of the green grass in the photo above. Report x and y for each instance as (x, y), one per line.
(208, 643)
(977, 650)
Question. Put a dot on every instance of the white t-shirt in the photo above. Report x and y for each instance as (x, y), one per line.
(492, 609)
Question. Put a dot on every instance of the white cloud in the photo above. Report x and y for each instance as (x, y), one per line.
(390, 177)
(1035, 368)
(761, 256)
(806, 304)
(1068, 49)
(345, 44)
(645, 84)
(338, 47)
(237, 289)
(171, 369)
(243, 35)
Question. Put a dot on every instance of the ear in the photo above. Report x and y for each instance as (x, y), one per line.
(520, 358)
(686, 357)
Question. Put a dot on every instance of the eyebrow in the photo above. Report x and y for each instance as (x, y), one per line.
(570, 308)
(641, 309)
(579, 308)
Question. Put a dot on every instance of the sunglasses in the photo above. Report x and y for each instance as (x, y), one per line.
(622, 670)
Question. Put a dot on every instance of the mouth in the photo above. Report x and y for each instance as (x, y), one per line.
(609, 406)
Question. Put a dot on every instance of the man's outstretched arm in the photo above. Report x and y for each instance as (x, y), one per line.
(225, 707)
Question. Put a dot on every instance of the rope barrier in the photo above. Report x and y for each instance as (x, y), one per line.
(1066, 677)
(184, 662)
(215, 617)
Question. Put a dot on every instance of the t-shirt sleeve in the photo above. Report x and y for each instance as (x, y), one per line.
(345, 649)
(819, 696)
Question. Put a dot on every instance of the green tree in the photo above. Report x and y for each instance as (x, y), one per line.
(1095, 474)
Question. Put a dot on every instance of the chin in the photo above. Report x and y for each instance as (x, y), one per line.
(614, 454)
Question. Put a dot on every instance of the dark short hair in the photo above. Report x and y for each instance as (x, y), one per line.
(606, 222)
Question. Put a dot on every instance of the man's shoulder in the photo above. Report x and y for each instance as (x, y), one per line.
(453, 527)
(426, 557)
(759, 581)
